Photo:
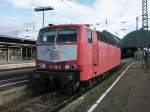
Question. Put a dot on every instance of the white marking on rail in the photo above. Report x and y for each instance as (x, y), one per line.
(13, 83)
(13, 79)
(108, 90)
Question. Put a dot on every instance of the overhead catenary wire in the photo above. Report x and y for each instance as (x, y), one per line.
(22, 9)
(30, 23)
(29, 11)
(61, 14)
(76, 9)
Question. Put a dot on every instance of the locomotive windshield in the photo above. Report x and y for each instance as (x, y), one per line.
(59, 36)
(48, 36)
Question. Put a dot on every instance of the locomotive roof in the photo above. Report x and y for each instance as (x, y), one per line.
(64, 25)
(108, 37)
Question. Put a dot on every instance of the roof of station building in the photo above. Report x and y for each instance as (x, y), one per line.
(9, 40)
(136, 39)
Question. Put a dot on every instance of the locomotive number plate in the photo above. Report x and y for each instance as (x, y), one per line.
(55, 55)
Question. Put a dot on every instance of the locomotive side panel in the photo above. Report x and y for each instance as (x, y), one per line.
(103, 62)
(106, 55)
(85, 56)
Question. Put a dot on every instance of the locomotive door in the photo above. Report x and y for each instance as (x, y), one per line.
(92, 38)
(95, 50)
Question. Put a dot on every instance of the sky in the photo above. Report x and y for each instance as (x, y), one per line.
(18, 17)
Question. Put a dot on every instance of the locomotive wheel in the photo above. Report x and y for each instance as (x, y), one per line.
(89, 83)
(75, 87)
(39, 85)
(67, 90)
(71, 88)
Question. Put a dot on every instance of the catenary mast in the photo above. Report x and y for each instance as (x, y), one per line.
(144, 15)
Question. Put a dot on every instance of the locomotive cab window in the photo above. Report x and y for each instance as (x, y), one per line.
(48, 36)
(67, 35)
(89, 37)
(59, 36)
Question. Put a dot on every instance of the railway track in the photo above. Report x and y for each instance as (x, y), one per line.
(15, 77)
(49, 102)
(41, 103)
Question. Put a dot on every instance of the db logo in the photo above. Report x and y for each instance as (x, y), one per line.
(55, 55)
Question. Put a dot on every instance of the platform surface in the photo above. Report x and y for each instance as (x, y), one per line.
(14, 65)
(130, 94)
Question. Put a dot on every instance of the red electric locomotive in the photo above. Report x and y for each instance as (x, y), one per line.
(74, 54)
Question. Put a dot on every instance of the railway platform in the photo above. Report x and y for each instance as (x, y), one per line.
(16, 65)
(130, 94)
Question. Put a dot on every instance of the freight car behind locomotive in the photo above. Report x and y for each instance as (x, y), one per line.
(74, 55)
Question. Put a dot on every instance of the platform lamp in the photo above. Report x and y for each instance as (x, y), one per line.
(123, 29)
(43, 9)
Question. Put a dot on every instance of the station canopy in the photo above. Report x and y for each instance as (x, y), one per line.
(136, 39)
(15, 41)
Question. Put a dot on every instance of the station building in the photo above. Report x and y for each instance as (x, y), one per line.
(134, 41)
(16, 49)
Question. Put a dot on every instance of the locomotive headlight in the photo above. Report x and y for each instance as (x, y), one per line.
(70, 67)
(67, 67)
(73, 67)
(41, 66)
